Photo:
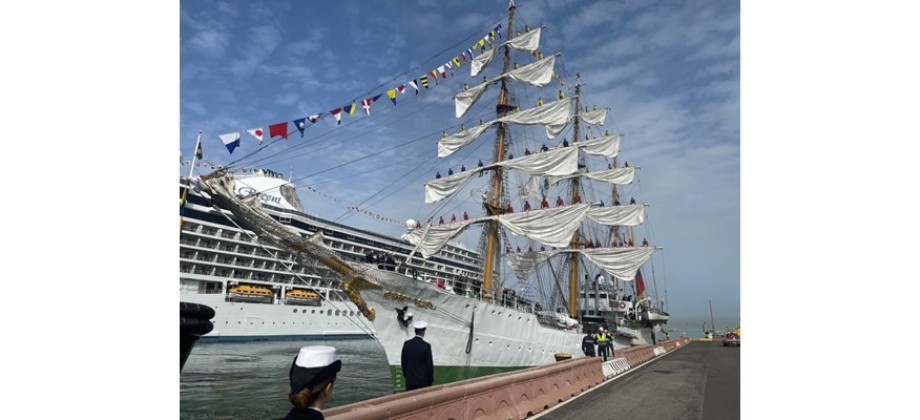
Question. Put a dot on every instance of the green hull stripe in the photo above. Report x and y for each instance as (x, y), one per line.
(446, 374)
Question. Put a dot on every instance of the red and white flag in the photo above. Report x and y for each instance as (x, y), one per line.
(257, 133)
(366, 104)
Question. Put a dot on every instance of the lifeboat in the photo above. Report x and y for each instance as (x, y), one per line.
(250, 293)
(302, 297)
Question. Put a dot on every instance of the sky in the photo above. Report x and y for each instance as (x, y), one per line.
(827, 165)
(668, 72)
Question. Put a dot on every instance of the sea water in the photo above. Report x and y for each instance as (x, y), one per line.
(249, 380)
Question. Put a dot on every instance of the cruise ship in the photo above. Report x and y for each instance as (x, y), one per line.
(261, 292)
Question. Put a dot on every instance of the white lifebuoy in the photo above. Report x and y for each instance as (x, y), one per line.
(622, 305)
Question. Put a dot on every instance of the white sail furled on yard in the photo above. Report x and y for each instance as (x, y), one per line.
(480, 61)
(537, 74)
(607, 146)
(553, 162)
(450, 144)
(631, 215)
(618, 176)
(442, 188)
(431, 239)
(619, 262)
(464, 100)
(553, 227)
(594, 117)
(554, 116)
(528, 41)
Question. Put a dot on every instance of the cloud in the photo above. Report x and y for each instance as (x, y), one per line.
(263, 40)
(195, 107)
(212, 43)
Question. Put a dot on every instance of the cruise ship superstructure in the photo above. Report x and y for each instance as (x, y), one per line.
(260, 292)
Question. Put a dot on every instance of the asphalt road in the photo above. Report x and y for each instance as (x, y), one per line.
(701, 381)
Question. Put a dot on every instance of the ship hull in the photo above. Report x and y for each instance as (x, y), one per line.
(469, 337)
(246, 321)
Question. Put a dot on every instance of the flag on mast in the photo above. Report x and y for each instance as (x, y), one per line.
(640, 285)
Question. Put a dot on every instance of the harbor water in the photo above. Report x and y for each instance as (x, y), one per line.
(249, 380)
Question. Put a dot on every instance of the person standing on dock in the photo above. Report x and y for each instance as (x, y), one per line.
(602, 341)
(312, 376)
(587, 345)
(417, 362)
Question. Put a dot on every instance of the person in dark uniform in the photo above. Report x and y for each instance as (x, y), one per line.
(587, 345)
(312, 376)
(417, 363)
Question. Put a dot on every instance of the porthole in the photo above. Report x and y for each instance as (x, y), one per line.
(295, 311)
(499, 313)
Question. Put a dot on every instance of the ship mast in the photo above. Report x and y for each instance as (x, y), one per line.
(502, 109)
(573, 258)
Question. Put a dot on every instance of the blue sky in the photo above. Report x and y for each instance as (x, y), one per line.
(669, 72)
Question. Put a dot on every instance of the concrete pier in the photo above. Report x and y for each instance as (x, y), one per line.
(626, 386)
(701, 381)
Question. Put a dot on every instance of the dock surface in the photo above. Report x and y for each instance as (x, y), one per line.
(700, 381)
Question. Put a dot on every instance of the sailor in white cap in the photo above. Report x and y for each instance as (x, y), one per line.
(417, 362)
(312, 375)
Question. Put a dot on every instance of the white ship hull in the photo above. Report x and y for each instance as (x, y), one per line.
(500, 339)
(239, 321)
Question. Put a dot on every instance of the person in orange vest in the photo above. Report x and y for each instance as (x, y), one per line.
(526, 206)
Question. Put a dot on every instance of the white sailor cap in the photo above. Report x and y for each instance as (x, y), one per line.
(420, 325)
(312, 365)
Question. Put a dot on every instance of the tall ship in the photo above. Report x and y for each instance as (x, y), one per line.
(559, 255)
(264, 292)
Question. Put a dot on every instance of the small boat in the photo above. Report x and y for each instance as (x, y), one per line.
(302, 297)
(249, 293)
(655, 315)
